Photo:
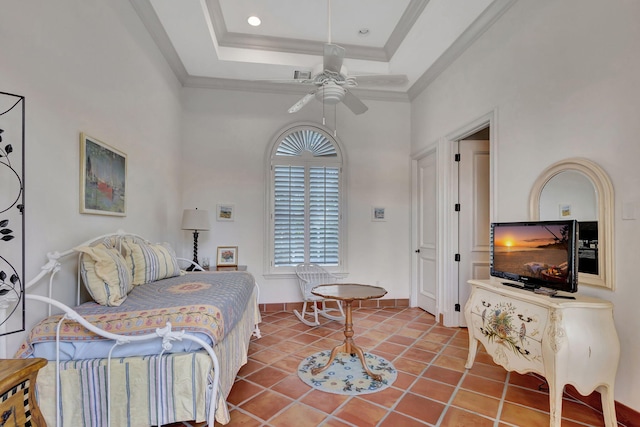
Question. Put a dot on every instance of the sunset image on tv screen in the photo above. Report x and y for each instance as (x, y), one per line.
(534, 251)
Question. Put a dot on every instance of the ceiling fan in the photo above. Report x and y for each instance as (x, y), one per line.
(332, 82)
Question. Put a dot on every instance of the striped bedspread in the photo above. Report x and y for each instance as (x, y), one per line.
(209, 303)
(185, 380)
(84, 388)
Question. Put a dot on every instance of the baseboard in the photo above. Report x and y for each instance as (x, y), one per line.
(371, 303)
(625, 415)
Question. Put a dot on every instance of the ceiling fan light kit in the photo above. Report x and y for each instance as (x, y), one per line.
(330, 93)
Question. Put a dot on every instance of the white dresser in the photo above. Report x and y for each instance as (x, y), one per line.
(565, 340)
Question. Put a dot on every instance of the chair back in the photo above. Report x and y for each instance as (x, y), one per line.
(311, 275)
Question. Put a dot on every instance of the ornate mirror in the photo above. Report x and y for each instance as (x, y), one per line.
(580, 189)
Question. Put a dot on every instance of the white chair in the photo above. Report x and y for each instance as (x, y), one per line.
(309, 276)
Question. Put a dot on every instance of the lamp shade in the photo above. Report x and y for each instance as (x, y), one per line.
(194, 219)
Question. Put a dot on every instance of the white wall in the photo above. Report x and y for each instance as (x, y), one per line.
(563, 77)
(89, 66)
(225, 140)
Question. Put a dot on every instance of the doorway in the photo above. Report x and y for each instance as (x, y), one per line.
(472, 162)
(442, 234)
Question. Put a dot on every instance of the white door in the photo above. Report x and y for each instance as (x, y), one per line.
(427, 222)
(473, 218)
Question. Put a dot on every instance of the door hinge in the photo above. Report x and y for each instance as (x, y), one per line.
(456, 207)
(456, 157)
(457, 307)
(457, 257)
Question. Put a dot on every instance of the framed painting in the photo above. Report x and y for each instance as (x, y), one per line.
(103, 178)
(227, 256)
(225, 212)
(565, 210)
(377, 214)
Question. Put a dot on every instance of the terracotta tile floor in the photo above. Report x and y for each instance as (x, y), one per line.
(432, 387)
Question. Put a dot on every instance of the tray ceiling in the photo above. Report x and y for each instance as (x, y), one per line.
(208, 43)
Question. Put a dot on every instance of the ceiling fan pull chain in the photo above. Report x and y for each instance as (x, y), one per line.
(324, 122)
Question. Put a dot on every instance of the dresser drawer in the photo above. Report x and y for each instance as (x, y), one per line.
(509, 329)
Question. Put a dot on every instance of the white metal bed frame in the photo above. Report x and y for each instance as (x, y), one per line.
(168, 335)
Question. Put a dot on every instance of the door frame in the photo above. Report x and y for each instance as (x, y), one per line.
(447, 189)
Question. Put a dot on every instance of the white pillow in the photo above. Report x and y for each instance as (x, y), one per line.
(105, 274)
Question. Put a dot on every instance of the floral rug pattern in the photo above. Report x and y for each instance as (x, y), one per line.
(346, 375)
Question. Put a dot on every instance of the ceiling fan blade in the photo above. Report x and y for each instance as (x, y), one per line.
(333, 57)
(304, 101)
(354, 104)
(381, 79)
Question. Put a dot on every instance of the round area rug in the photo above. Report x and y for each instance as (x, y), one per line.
(346, 375)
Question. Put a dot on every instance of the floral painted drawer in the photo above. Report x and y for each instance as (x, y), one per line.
(510, 330)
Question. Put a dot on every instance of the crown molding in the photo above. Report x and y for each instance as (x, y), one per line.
(150, 19)
(406, 22)
(466, 39)
(307, 47)
(284, 89)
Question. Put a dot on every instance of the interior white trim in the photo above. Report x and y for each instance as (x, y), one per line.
(150, 20)
(466, 39)
(287, 89)
(448, 219)
(280, 44)
(226, 39)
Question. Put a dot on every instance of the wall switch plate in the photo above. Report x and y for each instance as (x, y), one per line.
(628, 210)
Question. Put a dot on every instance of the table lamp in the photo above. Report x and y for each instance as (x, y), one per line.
(196, 220)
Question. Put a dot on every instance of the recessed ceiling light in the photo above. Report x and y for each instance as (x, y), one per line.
(254, 21)
(363, 32)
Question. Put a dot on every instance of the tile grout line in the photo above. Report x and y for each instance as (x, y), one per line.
(427, 366)
(449, 344)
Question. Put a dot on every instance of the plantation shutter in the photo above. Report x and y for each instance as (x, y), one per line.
(289, 215)
(306, 195)
(324, 215)
(290, 228)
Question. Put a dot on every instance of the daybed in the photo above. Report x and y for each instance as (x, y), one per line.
(155, 346)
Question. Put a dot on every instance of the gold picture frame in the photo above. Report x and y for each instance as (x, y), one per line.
(227, 256)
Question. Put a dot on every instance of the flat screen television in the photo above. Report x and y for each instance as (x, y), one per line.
(536, 254)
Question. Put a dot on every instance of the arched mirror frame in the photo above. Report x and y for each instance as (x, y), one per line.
(604, 195)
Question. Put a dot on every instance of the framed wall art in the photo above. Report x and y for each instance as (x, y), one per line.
(377, 214)
(227, 256)
(103, 178)
(225, 212)
(565, 210)
(12, 221)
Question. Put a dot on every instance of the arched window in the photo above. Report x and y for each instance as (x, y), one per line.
(306, 193)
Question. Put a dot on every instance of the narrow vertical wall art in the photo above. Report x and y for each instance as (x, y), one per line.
(12, 308)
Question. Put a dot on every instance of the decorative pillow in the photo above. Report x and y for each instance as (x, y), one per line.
(148, 262)
(105, 274)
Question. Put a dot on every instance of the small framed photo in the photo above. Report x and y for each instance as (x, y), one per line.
(225, 212)
(227, 256)
(103, 178)
(377, 214)
(565, 211)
